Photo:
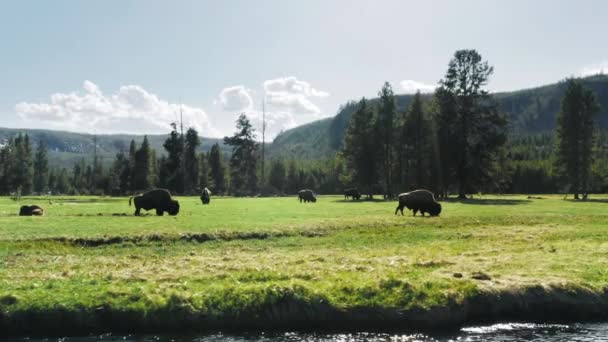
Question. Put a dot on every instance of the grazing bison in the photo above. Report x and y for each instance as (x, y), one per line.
(159, 199)
(206, 196)
(29, 210)
(419, 200)
(353, 192)
(306, 196)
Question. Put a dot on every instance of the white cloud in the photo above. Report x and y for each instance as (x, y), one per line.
(411, 86)
(289, 102)
(292, 95)
(595, 69)
(131, 109)
(237, 98)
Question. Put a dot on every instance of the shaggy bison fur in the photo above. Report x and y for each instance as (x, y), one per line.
(419, 200)
(353, 192)
(206, 196)
(306, 196)
(159, 199)
(31, 210)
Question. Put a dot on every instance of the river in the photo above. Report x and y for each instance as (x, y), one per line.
(499, 332)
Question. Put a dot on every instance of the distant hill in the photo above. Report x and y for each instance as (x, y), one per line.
(65, 148)
(529, 111)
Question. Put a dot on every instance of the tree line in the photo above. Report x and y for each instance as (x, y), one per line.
(453, 142)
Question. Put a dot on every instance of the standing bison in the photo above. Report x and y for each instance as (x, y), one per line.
(419, 200)
(30, 210)
(306, 196)
(206, 196)
(353, 192)
(159, 199)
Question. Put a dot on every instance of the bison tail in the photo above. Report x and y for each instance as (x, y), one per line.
(130, 198)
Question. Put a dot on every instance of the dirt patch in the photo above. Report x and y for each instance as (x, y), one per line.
(188, 237)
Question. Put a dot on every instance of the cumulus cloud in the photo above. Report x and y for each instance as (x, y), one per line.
(132, 109)
(411, 86)
(595, 69)
(289, 102)
(237, 98)
(292, 95)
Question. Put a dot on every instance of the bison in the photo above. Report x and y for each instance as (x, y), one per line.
(206, 196)
(306, 196)
(159, 199)
(419, 200)
(31, 210)
(353, 192)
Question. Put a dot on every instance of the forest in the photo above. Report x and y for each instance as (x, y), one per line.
(459, 140)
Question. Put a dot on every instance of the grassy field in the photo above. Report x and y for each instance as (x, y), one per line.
(89, 265)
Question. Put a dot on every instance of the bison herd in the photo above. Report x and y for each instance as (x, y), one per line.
(160, 200)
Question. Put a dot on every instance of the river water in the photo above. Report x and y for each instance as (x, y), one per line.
(491, 333)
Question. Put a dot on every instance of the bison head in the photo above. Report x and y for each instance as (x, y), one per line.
(435, 209)
(173, 208)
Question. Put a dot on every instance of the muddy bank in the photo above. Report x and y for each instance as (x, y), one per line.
(299, 310)
(187, 237)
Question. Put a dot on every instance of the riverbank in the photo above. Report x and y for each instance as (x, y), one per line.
(260, 264)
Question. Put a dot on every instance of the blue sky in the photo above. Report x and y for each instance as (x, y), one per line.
(125, 66)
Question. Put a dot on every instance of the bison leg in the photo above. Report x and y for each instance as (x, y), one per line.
(415, 211)
(137, 211)
(159, 212)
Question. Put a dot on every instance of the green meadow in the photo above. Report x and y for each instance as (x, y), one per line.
(259, 262)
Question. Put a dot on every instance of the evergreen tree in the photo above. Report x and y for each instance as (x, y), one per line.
(6, 168)
(475, 129)
(277, 176)
(361, 149)
(63, 183)
(41, 168)
(203, 170)
(385, 121)
(293, 184)
(575, 136)
(243, 177)
(417, 136)
(217, 170)
(191, 161)
(22, 165)
(172, 168)
(131, 170)
(142, 173)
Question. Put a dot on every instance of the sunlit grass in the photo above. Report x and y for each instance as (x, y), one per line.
(360, 255)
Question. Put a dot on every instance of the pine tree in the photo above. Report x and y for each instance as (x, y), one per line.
(41, 168)
(131, 169)
(191, 161)
(172, 167)
(277, 175)
(385, 121)
(217, 170)
(417, 135)
(471, 129)
(203, 168)
(361, 148)
(142, 174)
(243, 177)
(575, 136)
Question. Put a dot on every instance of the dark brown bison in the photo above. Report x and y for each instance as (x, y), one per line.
(353, 192)
(419, 200)
(206, 196)
(306, 196)
(31, 210)
(159, 199)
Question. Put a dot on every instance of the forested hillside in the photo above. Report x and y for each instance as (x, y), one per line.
(529, 111)
(66, 148)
